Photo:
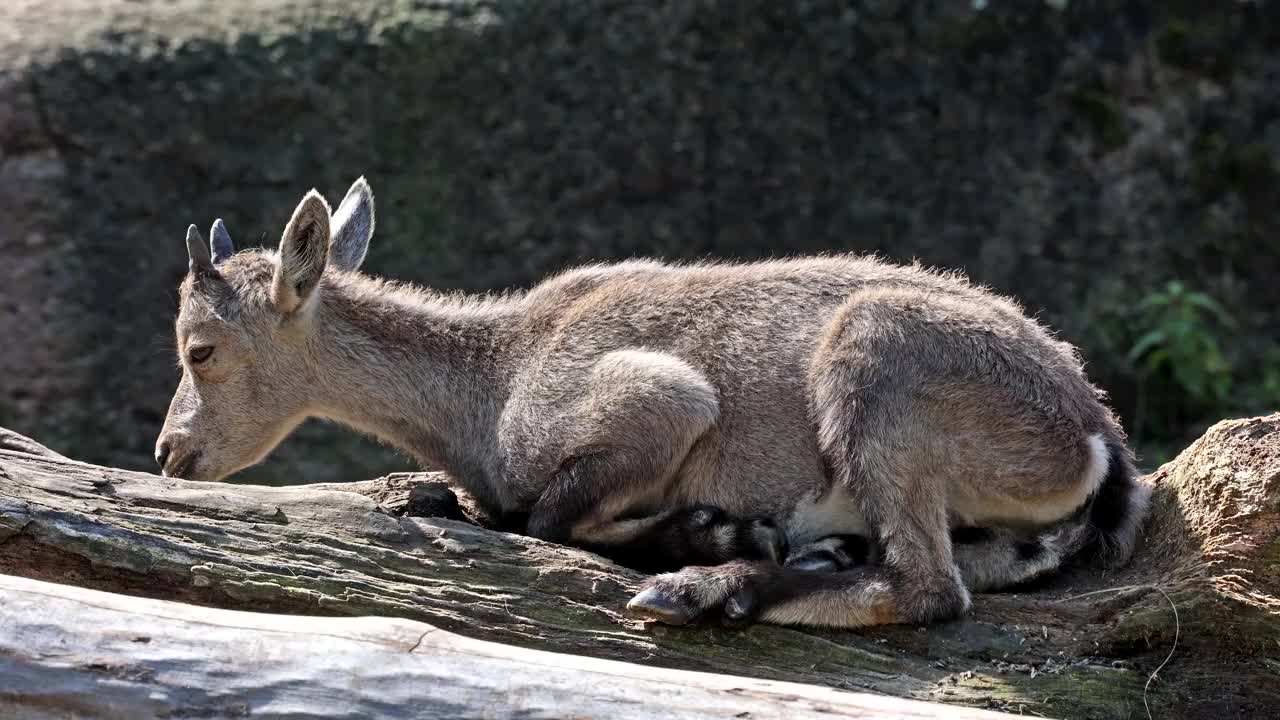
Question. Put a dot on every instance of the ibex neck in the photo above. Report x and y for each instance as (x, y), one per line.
(421, 372)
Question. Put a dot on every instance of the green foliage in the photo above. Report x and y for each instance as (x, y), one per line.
(1269, 386)
(1190, 363)
(1181, 342)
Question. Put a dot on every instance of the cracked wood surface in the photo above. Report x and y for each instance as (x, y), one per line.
(1079, 646)
(154, 658)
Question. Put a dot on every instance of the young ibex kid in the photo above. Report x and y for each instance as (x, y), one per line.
(703, 415)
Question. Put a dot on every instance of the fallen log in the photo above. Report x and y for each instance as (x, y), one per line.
(155, 658)
(1078, 646)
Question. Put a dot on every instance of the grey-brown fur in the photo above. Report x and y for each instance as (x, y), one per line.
(830, 395)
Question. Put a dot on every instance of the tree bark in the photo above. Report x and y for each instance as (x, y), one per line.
(155, 658)
(1079, 645)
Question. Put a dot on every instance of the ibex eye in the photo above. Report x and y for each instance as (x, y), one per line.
(200, 354)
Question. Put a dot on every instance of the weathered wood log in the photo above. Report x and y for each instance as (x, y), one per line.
(10, 440)
(154, 658)
(1078, 646)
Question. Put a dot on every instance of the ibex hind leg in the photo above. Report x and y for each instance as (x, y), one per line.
(829, 582)
(988, 559)
(992, 559)
(916, 583)
(883, 452)
(1103, 527)
(920, 404)
(913, 573)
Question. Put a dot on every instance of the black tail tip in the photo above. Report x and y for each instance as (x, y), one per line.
(1110, 508)
(1118, 508)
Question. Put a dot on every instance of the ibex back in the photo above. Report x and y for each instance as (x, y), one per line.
(709, 413)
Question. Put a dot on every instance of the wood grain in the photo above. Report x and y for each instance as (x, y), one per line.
(1079, 646)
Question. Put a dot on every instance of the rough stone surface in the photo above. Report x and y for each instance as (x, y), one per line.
(1077, 158)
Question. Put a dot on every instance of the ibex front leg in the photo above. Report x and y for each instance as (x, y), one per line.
(641, 414)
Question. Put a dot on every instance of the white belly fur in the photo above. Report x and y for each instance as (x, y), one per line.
(821, 515)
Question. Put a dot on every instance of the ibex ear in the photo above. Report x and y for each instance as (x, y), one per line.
(220, 242)
(304, 249)
(352, 227)
(198, 260)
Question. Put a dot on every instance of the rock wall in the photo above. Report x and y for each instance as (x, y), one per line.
(1077, 158)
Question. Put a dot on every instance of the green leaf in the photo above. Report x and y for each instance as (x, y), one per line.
(1155, 300)
(1212, 353)
(1180, 329)
(1147, 342)
(1205, 302)
(1156, 360)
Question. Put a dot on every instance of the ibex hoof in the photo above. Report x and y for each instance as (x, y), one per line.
(736, 592)
(655, 605)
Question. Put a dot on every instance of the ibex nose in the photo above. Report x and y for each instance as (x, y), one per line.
(162, 453)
